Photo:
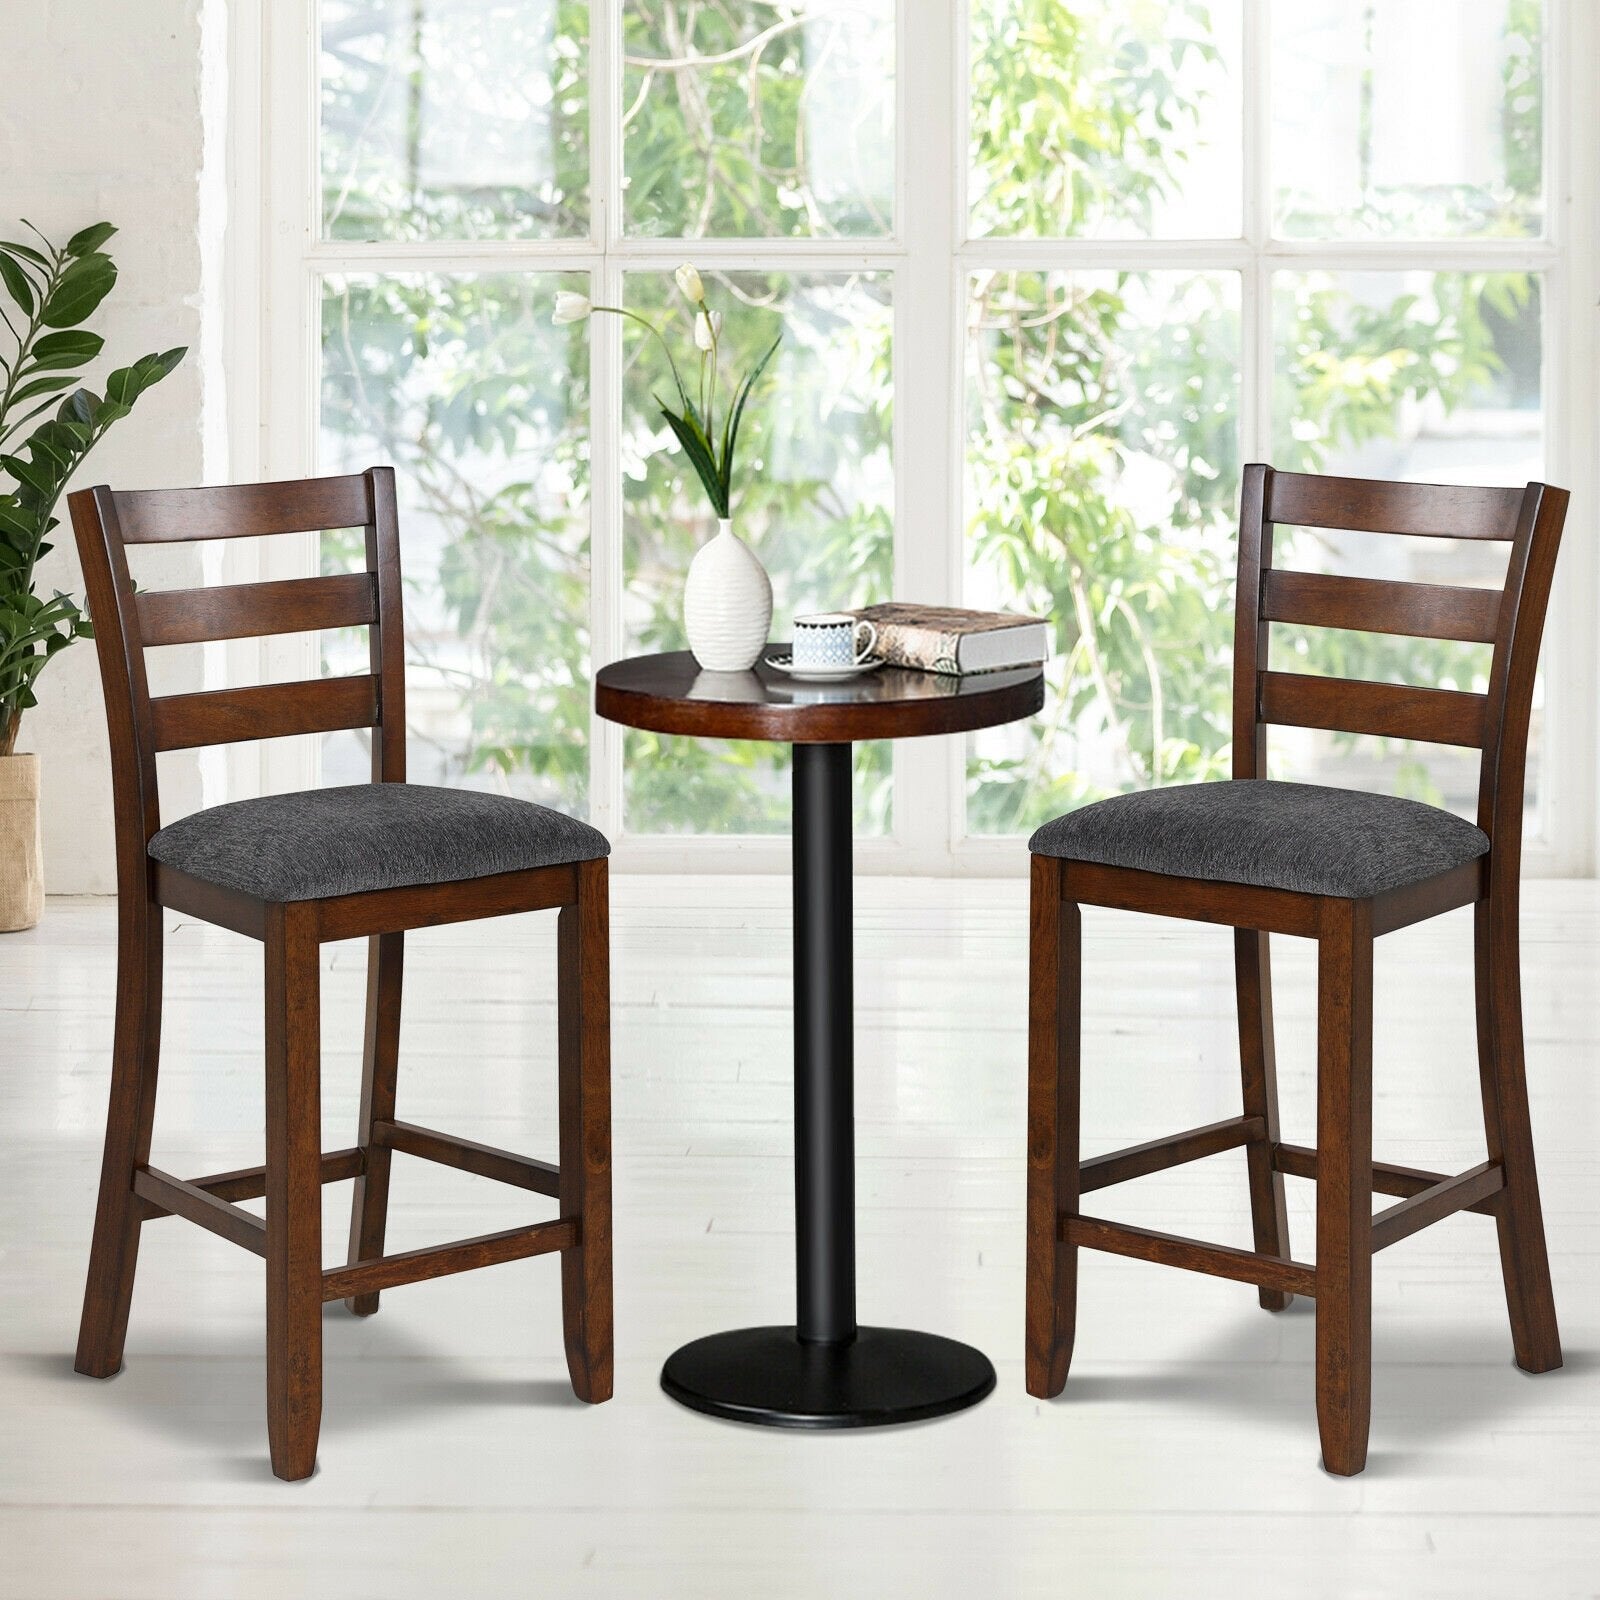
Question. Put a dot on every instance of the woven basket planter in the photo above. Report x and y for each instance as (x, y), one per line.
(21, 852)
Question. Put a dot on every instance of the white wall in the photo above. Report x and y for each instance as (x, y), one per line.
(101, 118)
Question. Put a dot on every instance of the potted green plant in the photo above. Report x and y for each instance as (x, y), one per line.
(52, 291)
(727, 596)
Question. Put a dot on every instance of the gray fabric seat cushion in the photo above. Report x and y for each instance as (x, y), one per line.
(322, 842)
(1301, 836)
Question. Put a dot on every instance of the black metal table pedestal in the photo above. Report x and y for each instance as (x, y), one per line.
(825, 1371)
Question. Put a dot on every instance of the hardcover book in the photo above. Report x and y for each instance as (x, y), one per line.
(950, 640)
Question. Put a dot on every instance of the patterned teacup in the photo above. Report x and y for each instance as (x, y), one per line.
(829, 640)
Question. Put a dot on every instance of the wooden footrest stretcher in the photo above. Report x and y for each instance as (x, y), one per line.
(1426, 1198)
(211, 1202)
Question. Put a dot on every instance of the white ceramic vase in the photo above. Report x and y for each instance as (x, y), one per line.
(727, 603)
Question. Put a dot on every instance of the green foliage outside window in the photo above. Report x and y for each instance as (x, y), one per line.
(1076, 413)
(1102, 455)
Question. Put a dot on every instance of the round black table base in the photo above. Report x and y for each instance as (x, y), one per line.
(882, 1376)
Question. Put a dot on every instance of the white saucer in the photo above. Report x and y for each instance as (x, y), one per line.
(785, 665)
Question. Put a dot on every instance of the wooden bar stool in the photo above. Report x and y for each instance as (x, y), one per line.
(1333, 865)
(365, 861)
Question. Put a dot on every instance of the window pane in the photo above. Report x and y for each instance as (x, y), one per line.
(813, 495)
(1105, 118)
(1407, 118)
(455, 119)
(481, 405)
(1426, 376)
(1101, 490)
(756, 119)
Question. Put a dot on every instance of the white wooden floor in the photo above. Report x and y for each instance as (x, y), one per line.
(1182, 1459)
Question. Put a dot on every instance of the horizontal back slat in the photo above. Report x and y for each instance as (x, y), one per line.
(242, 510)
(1393, 710)
(1429, 510)
(1374, 605)
(270, 711)
(255, 610)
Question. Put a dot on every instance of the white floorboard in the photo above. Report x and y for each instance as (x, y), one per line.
(1182, 1459)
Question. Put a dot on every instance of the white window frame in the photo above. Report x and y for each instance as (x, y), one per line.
(275, 259)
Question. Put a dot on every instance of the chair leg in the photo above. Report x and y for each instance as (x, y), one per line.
(1524, 1261)
(136, 1046)
(294, 1190)
(369, 1206)
(1054, 986)
(1344, 1184)
(584, 1024)
(1259, 1071)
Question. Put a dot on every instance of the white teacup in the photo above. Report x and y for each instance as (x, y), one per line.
(829, 640)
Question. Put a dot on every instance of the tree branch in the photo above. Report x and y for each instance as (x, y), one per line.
(752, 46)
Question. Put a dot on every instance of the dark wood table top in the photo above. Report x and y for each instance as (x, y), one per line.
(671, 694)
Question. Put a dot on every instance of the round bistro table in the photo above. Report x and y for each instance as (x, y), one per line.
(824, 1371)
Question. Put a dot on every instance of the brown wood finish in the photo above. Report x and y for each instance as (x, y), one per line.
(357, 916)
(1300, 1161)
(1504, 1186)
(169, 1196)
(584, 1010)
(256, 610)
(1344, 1185)
(1251, 639)
(1252, 962)
(1157, 1155)
(1524, 1259)
(670, 694)
(1372, 505)
(1416, 902)
(386, 651)
(295, 1169)
(1258, 1081)
(1390, 710)
(246, 510)
(1169, 1250)
(227, 908)
(130, 1119)
(250, 1183)
(269, 711)
(363, 1279)
(466, 1155)
(294, 1190)
(1054, 1044)
(380, 1056)
(1465, 1191)
(1243, 906)
(1497, 965)
(1375, 605)
(380, 1064)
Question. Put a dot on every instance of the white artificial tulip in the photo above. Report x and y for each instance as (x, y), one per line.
(708, 438)
(571, 307)
(707, 332)
(689, 282)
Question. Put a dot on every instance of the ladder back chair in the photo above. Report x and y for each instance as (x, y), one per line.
(1333, 865)
(294, 871)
